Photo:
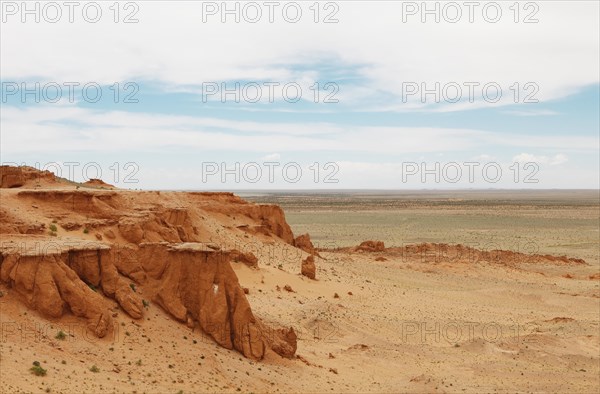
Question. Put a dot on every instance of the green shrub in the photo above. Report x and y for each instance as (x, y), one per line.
(86, 230)
(53, 227)
(94, 369)
(61, 335)
(37, 369)
(132, 285)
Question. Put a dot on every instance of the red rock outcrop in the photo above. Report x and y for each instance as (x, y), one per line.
(151, 239)
(53, 277)
(303, 242)
(94, 182)
(247, 258)
(371, 246)
(309, 269)
(11, 177)
(196, 283)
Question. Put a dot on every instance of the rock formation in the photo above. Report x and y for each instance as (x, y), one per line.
(53, 277)
(371, 246)
(11, 177)
(309, 268)
(303, 242)
(153, 241)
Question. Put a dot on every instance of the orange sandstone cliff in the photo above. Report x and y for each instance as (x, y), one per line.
(69, 249)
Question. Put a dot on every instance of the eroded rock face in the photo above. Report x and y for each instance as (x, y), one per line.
(11, 176)
(247, 258)
(60, 277)
(152, 242)
(268, 219)
(371, 246)
(49, 286)
(273, 217)
(303, 242)
(309, 269)
(94, 182)
(194, 282)
(283, 341)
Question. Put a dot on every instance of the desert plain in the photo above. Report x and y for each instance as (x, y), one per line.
(110, 290)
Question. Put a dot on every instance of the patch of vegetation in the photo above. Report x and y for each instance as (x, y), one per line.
(53, 227)
(86, 230)
(37, 369)
(61, 335)
(52, 233)
(94, 369)
(139, 363)
(91, 286)
(146, 303)
(132, 285)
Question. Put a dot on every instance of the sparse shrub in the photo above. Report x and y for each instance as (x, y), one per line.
(52, 233)
(132, 285)
(37, 369)
(139, 363)
(146, 303)
(91, 286)
(61, 336)
(86, 230)
(94, 369)
(53, 228)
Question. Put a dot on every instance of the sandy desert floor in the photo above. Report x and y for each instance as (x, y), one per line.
(386, 321)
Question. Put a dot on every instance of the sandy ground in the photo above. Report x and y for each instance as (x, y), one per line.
(405, 324)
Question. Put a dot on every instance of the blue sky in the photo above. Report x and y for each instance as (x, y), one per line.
(377, 135)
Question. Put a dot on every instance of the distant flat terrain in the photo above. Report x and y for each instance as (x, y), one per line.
(530, 221)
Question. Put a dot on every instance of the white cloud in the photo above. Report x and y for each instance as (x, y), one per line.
(271, 157)
(557, 159)
(483, 157)
(64, 129)
(172, 46)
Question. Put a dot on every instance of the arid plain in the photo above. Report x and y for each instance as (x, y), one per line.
(493, 291)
